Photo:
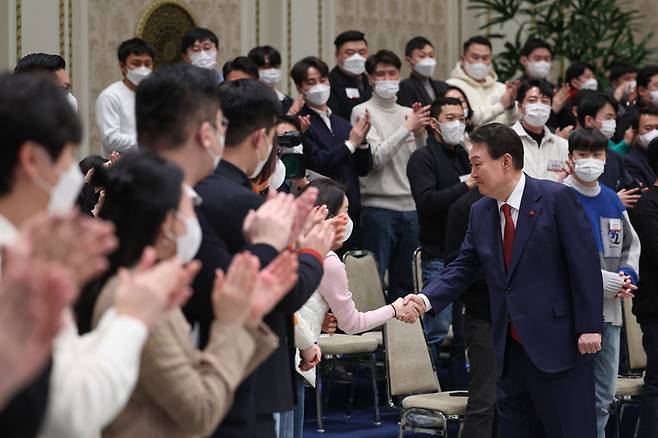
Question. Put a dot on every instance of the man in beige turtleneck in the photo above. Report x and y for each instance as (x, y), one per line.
(389, 225)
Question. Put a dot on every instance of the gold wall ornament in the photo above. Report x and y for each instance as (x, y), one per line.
(163, 24)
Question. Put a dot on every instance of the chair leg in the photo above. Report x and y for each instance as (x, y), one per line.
(637, 425)
(330, 381)
(318, 397)
(375, 390)
(350, 402)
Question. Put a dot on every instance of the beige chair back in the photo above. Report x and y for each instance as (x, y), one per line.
(418, 271)
(637, 358)
(363, 279)
(408, 360)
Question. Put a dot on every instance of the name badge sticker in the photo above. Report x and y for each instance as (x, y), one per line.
(352, 93)
(615, 224)
(555, 165)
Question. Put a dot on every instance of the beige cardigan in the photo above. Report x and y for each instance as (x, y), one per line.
(182, 391)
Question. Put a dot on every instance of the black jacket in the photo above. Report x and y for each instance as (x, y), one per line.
(413, 90)
(644, 217)
(614, 174)
(433, 173)
(24, 413)
(476, 297)
(227, 198)
(339, 103)
(637, 165)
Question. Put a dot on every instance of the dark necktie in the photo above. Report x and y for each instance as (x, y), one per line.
(508, 241)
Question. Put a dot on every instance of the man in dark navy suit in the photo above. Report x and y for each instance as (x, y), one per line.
(532, 242)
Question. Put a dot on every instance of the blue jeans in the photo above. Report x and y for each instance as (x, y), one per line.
(298, 411)
(435, 327)
(392, 236)
(606, 367)
(283, 424)
(649, 400)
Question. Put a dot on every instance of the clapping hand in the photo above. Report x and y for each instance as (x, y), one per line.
(273, 222)
(627, 288)
(74, 241)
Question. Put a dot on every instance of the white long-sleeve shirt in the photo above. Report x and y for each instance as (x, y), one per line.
(92, 375)
(115, 118)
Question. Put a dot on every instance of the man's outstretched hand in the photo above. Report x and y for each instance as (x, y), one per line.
(418, 305)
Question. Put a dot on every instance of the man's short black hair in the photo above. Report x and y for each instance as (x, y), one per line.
(544, 88)
(652, 155)
(198, 34)
(263, 55)
(299, 71)
(241, 63)
(40, 62)
(587, 139)
(478, 39)
(576, 69)
(591, 103)
(619, 69)
(32, 108)
(248, 105)
(645, 74)
(643, 110)
(134, 46)
(535, 43)
(500, 140)
(416, 43)
(349, 36)
(440, 102)
(382, 57)
(173, 101)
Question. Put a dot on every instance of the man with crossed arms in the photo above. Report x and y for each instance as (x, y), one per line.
(534, 245)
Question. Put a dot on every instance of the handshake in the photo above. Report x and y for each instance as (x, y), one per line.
(409, 308)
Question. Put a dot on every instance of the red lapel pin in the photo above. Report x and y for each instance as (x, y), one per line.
(531, 213)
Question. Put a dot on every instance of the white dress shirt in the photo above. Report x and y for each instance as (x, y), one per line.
(92, 375)
(513, 201)
(115, 118)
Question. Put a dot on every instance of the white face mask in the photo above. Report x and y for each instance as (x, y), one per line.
(217, 158)
(387, 89)
(608, 128)
(65, 191)
(425, 67)
(631, 85)
(270, 76)
(279, 175)
(261, 161)
(349, 227)
(645, 139)
(590, 84)
(204, 59)
(318, 94)
(654, 97)
(355, 64)
(589, 169)
(477, 71)
(137, 75)
(72, 101)
(536, 114)
(452, 132)
(187, 245)
(539, 69)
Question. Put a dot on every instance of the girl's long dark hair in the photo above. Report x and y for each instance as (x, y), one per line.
(139, 192)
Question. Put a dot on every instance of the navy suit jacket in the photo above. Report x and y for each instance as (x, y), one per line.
(553, 290)
(330, 157)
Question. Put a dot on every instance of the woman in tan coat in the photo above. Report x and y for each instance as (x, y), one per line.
(182, 391)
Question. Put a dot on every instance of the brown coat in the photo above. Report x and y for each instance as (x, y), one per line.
(182, 391)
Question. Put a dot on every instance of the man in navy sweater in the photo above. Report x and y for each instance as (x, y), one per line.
(337, 149)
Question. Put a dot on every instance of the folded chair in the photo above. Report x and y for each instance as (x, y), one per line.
(425, 409)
